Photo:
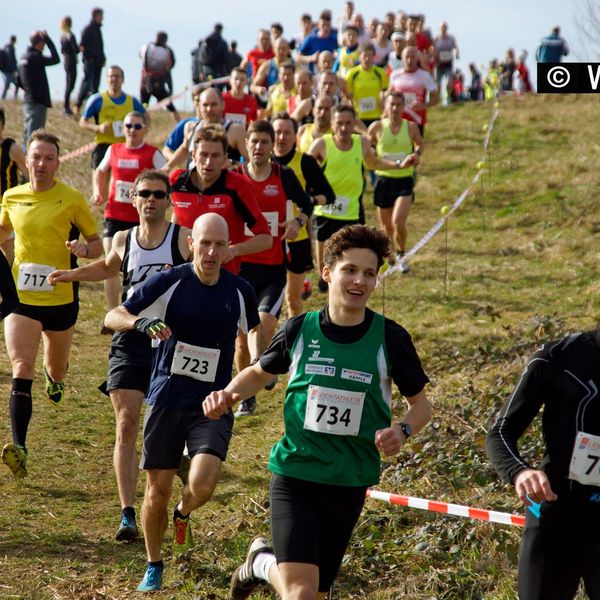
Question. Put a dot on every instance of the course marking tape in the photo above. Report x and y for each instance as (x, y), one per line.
(458, 510)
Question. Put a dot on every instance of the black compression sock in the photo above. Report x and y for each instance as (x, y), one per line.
(20, 407)
(129, 511)
(178, 515)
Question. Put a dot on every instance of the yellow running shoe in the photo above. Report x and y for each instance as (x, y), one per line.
(182, 535)
(54, 389)
(15, 458)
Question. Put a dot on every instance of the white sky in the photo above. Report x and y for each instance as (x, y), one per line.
(484, 29)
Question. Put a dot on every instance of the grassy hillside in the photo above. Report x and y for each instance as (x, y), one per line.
(522, 266)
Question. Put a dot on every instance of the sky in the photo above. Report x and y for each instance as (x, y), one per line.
(484, 29)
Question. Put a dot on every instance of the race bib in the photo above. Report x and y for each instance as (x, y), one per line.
(585, 461)
(195, 361)
(367, 104)
(409, 98)
(122, 191)
(236, 118)
(118, 129)
(446, 56)
(339, 207)
(34, 278)
(329, 410)
(273, 221)
(394, 156)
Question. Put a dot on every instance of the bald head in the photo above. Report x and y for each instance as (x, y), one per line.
(208, 243)
(410, 58)
(211, 221)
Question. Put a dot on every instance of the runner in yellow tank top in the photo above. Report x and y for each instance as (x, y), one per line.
(396, 139)
(309, 132)
(348, 152)
(47, 216)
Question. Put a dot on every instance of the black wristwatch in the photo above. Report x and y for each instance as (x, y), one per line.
(406, 429)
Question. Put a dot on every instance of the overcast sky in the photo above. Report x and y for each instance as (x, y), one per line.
(484, 29)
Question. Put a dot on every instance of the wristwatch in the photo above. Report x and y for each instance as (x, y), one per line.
(406, 429)
(397, 162)
(300, 221)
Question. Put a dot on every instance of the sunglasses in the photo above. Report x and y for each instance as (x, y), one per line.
(158, 194)
(136, 126)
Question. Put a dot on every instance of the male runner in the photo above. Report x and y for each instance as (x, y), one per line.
(343, 154)
(321, 124)
(138, 253)
(310, 175)
(194, 311)
(395, 138)
(338, 419)
(104, 114)
(239, 106)
(210, 187)
(561, 540)
(123, 162)
(47, 217)
(275, 186)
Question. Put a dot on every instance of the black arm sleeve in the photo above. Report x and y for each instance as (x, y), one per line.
(54, 58)
(316, 182)
(294, 191)
(517, 414)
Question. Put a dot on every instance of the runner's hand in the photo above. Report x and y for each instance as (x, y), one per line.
(60, 277)
(218, 403)
(155, 328)
(77, 248)
(389, 440)
(535, 484)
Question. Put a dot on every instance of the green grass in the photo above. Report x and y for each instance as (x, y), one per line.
(530, 275)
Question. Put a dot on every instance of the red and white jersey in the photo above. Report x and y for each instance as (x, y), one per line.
(125, 165)
(415, 87)
(240, 110)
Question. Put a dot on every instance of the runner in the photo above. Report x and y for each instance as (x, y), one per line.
(46, 216)
(307, 170)
(419, 89)
(395, 138)
(239, 106)
(321, 124)
(210, 187)
(200, 308)
(137, 253)
(268, 73)
(303, 81)
(275, 186)
(343, 153)
(124, 162)
(561, 540)
(209, 108)
(104, 114)
(281, 93)
(445, 51)
(337, 418)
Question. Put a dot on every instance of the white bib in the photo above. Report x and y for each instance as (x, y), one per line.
(329, 410)
(367, 104)
(446, 56)
(394, 156)
(409, 98)
(339, 207)
(236, 118)
(195, 361)
(34, 278)
(585, 461)
(122, 191)
(118, 129)
(272, 218)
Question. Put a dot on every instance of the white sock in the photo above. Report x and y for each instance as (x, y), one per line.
(261, 565)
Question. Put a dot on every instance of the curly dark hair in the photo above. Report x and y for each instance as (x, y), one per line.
(357, 236)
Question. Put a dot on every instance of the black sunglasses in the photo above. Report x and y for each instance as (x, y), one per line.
(158, 194)
(136, 126)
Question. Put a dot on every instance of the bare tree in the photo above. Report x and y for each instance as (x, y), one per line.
(587, 20)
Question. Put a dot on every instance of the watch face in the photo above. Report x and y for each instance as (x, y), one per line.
(406, 429)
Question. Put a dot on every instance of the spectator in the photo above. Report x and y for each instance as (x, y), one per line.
(157, 61)
(508, 67)
(33, 79)
(475, 89)
(92, 48)
(234, 59)
(456, 87)
(213, 55)
(9, 67)
(69, 49)
(552, 48)
(521, 83)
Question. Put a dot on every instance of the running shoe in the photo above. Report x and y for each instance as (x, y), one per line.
(54, 389)
(15, 458)
(243, 581)
(152, 579)
(404, 266)
(246, 408)
(182, 535)
(128, 530)
(307, 289)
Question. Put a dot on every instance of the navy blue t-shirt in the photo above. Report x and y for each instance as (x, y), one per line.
(204, 319)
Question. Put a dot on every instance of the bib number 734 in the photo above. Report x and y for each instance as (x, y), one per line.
(334, 411)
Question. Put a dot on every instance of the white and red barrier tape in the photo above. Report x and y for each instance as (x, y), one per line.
(440, 222)
(458, 510)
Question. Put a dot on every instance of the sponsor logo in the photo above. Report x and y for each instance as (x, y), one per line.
(316, 357)
(585, 442)
(314, 344)
(128, 163)
(354, 375)
(326, 370)
(271, 190)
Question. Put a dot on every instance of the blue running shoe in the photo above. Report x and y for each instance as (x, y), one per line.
(128, 530)
(152, 579)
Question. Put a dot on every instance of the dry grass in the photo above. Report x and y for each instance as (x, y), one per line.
(531, 274)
